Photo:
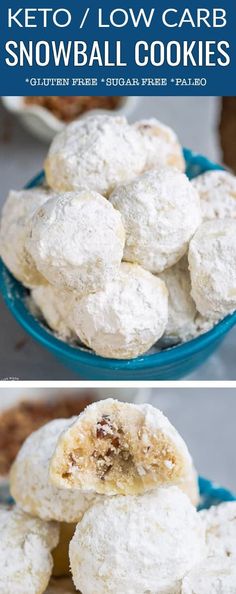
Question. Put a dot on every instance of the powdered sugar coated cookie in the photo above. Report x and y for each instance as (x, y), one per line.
(16, 214)
(161, 145)
(96, 152)
(56, 306)
(184, 321)
(125, 318)
(136, 544)
(77, 241)
(217, 191)
(214, 576)
(25, 552)
(212, 263)
(29, 478)
(220, 522)
(160, 211)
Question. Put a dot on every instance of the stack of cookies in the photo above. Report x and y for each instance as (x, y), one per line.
(120, 251)
(106, 501)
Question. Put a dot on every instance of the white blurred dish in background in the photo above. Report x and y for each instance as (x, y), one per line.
(44, 124)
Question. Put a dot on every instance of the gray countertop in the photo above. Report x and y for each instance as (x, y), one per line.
(22, 155)
(206, 420)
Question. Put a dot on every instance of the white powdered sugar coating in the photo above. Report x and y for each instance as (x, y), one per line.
(56, 307)
(216, 575)
(77, 241)
(25, 558)
(217, 191)
(220, 522)
(155, 420)
(184, 321)
(161, 212)
(16, 214)
(136, 544)
(125, 318)
(29, 478)
(212, 263)
(161, 145)
(96, 152)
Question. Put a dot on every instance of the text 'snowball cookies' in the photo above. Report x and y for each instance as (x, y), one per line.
(184, 322)
(136, 544)
(220, 522)
(97, 152)
(25, 552)
(120, 448)
(217, 191)
(29, 478)
(16, 214)
(160, 211)
(161, 145)
(216, 575)
(212, 263)
(125, 318)
(56, 306)
(77, 241)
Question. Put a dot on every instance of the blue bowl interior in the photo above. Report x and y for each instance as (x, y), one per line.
(211, 494)
(15, 296)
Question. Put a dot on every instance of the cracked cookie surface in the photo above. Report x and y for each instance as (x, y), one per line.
(120, 448)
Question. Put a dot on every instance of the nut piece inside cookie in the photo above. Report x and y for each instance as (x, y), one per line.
(118, 448)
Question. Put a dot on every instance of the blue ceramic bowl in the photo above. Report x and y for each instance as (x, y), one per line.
(211, 494)
(169, 364)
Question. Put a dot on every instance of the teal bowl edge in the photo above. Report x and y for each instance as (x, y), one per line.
(210, 494)
(213, 494)
(14, 295)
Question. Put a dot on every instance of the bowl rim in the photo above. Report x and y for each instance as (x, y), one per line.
(46, 337)
(39, 331)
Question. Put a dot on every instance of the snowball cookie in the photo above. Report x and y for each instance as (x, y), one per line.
(216, 575)
(217, 191)
(56, 306)
(220, 522)
(184, 321)
(29, 478)
(161, 145)
(16, 214)
(25, 557)
(125, 318)
(96, 152)
(136, 544)
(77, 241)
(212, 263)
(120, 448)
(161, 212)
